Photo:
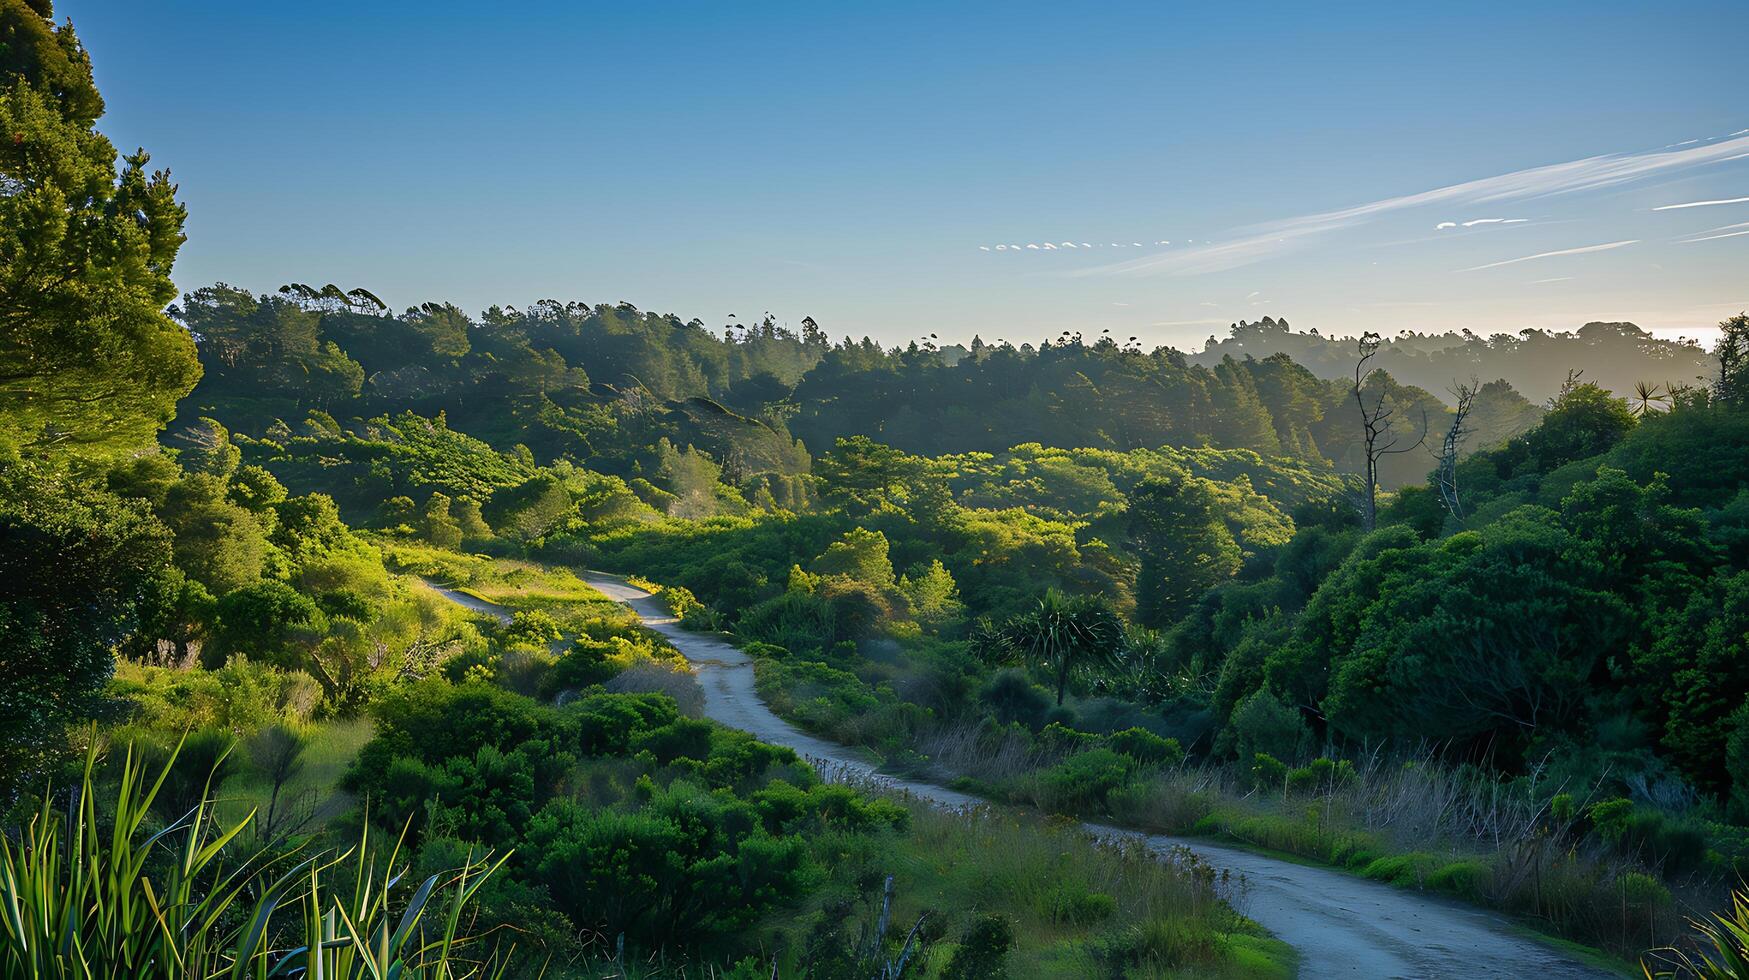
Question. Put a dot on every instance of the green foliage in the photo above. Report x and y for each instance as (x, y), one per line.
(860, 555)
(1146, 747)
(683, 870)
(1584, 421)
(1083, 783)
(1724, 947)
(983, 951)
(403, 455)
(131, 901)
(1062, 634)
(1261, 723)
(1184, 546)
(79, 569)
(89, 364)
(1669, 844)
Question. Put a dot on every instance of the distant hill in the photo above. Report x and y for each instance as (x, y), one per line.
(1614, 356)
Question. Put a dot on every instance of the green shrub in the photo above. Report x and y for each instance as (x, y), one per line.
(1412, 869)
(1469, 880)
(1261, 723)
(1072, 903)
(1672, 845)
(532, 627)
(581, 667)
(1157, 943)
(1061, 738)
(982, 953)
(1321, 776)
(1013, 698)
(1641, 893)
(1146, 747)
(1267, 772)
(689, 868)
(1083, 783)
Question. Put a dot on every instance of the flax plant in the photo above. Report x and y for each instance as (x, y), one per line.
(88, 896)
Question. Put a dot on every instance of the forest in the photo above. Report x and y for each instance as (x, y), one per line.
(304, 673)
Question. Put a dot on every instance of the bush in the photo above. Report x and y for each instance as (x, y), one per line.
(1261, 723)
(1012, 698)
(983, 951)
(1669, 844)
(1267, 772)
(1146, 747)
(532, 627)
(1074, 904)
(690, 868)
(1322, 776)
(1083, 783)
(1469, 880)
(583, 666)
(1061, 738)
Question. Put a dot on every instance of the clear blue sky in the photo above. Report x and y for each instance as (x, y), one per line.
(862, 164)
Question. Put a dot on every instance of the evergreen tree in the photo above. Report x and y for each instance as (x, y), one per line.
(89, 362)
(1184, 546)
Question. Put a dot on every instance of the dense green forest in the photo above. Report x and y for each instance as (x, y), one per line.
(293, 580)
(606, 383)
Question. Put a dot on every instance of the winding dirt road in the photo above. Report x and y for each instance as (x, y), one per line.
(1340, 925)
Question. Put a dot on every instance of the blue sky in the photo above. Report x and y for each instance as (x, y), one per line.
(863, 164)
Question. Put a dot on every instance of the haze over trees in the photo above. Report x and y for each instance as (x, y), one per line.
(1614, 355)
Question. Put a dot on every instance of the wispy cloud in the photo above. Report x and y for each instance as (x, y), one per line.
(1702, 204)
(1549, 255)
(1539, 282)
(1590, 173)
(1494, 221)
(1708, 238)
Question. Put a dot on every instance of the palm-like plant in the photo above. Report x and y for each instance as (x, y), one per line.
(1646, 396)
(87, 898)
(1065, 633)
(1727, 959)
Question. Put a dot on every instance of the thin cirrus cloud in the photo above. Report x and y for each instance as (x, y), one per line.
(1582, 250)
(1702, 204)
(1054, 246)
(1473, 222)
(1591, 173)
(1717, 233)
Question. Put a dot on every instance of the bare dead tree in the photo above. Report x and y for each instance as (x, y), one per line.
(1445, 475)
(1378, 436)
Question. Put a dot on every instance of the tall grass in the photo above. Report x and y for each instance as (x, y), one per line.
(1423, 825)
(89, 895)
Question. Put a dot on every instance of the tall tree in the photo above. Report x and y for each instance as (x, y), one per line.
(1732, 386)
(1184, 546)
(89, 362)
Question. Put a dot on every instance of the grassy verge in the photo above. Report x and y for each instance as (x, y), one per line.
(1413, 825)
(515, 584)
(1080, 907)
(312, 796)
